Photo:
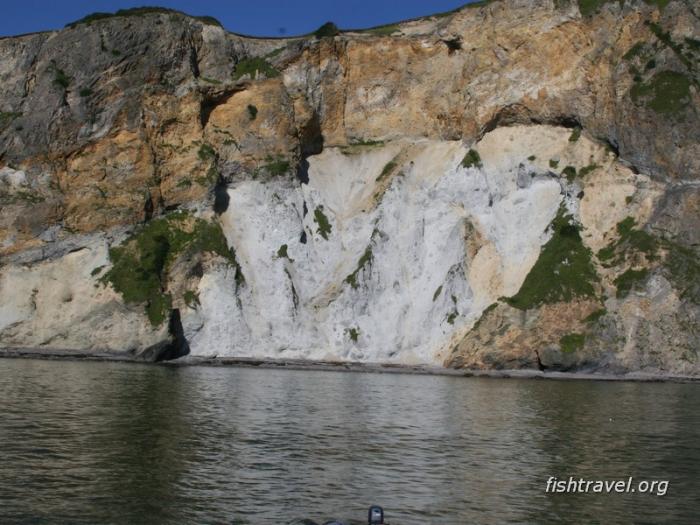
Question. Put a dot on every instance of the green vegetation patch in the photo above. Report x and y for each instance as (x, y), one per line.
(206, 152)
(594, 316)
(353, 333)
(575, 135)
(254, 67)
(276, 165)
(191, 299)
(683, 269)
(356, 146)
(329, 29)
(629, 280)
(681, 264)
(570, 173)
(282, 253)
(437, 293)
(665, 38)
(471, 159)
(140, 265)
(364, 260)
(85, 92)
(572, 342)
(590, 7)
(635, 51)
(553, 163)
(384, 30)
(388, 168)
(60, 78)
(140, 11)
(324, 227)
(630, 239)
(252, 112)
(667, 92)
(587, 169)
(486, 311)
(564, 269)
(658, 3)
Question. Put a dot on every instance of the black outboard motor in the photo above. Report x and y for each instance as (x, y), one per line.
(375, 516)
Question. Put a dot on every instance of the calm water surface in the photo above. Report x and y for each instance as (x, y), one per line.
(121, 443)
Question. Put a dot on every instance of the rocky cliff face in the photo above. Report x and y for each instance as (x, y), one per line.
(510, 185)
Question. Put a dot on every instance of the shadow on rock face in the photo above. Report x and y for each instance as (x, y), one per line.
(221, 197)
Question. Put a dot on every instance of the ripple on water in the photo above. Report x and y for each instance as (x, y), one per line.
(123, 443)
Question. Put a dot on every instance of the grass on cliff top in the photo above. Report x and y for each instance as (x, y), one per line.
(590, 7)
(667, 92)
(385, 30)
(254, 67)
(140, 265)
(140, 11)
(564, 269)
(329, 29)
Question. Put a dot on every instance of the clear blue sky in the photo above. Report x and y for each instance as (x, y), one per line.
(253, 17)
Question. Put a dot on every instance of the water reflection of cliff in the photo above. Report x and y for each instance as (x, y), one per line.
(97, 442)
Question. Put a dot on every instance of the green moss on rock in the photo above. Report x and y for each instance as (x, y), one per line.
(276, 165)
(206, 152)
(667, 92)
(140, 265)
(364, 260)
(563, 271)
(191, 299)
(630, 240)
(472, 159)
(570, 173)
(572, 342)
(252, 112)
(324, 226)
(630, 280)
(254, 67)
(353, 333)
(388, 168)
(594, 316)
(683, 269)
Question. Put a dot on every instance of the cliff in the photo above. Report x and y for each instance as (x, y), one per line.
(515, 184)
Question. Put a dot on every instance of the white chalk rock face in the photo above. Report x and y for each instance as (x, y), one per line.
(58, 304)
(389, 254)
